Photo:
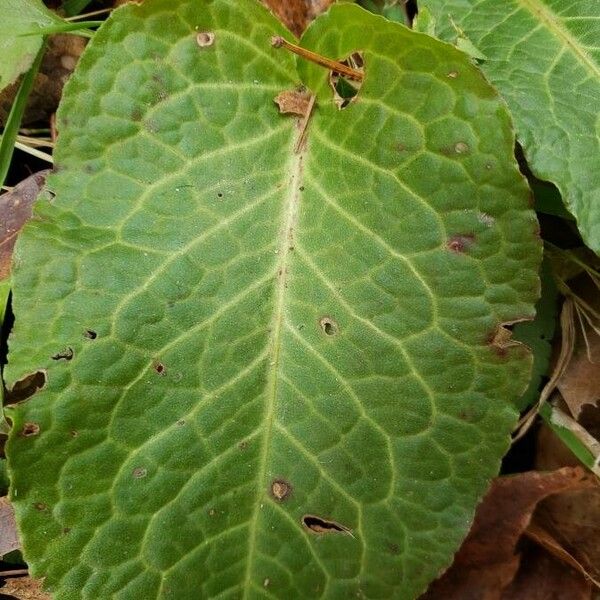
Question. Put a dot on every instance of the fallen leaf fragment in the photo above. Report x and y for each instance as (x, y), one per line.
(15, 211)
(63, 52)
(580, 382)
(293, 102)
(9, 539)
(24, 588)
(297, 14)
(543, 577)
(488, 560)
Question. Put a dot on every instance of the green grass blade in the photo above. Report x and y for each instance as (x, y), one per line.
(13, 122)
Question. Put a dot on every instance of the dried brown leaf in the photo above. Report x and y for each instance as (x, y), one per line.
(297, 14)
(59, 62)
(15, 211)
(293, 102)
(580, 382)
(9, 539)
(488, 558)
(543, 577)
(25, 588)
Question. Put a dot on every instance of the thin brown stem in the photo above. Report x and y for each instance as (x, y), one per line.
(333, 65)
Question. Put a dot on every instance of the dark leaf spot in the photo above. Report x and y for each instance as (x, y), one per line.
(140, 472)
(393, 548)
(90, 334)
(460, 243)
(280, 489)
(160, 368)
(320, 526)
(74, 433)
(328, 325)
(30, 429)
(66, 354)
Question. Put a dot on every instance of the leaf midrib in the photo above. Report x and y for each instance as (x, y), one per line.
(553, 23)
(289, 220)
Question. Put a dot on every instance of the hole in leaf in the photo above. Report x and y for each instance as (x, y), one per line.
(280, 489)
(66, 354)
(345, 89)
(30, 430)
(25, 387)
(320, 526)
(90, 334)
(160, 368)
(328, 325)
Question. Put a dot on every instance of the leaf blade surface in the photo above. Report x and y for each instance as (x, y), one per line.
(544, 58)
(294, 387)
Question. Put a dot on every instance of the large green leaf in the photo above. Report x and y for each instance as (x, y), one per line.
(269, 373)
(544, 57)
(18, 51)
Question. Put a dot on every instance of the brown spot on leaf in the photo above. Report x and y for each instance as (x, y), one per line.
(40, 506)
(90, 334)
(393, 548)
(321, 526)
(280, 489)
(461, 148)
(452, 75)
(205, 39)
(30, 430)
(139, 472)
(160, 368)
(460, 243)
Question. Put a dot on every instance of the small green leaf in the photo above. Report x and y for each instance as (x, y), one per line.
(18, 52)
(271, 368)
(544, 58)
(424, 22)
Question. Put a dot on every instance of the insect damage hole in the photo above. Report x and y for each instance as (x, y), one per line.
(328, 325)
(345, 87)
(25, 387)
(321, 526)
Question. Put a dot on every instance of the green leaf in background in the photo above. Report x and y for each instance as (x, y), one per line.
(544, 58)
(18, 52)
(537, 335)
(269, 372)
